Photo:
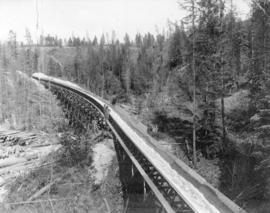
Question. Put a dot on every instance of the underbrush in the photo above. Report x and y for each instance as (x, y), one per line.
(76, 149)
(207, 168)
(245, 174)
(63, 183)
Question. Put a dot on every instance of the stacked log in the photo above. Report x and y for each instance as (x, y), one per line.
(13, 137)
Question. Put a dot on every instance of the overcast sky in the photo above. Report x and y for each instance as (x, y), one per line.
(64, 17)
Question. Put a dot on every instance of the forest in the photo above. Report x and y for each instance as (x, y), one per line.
(204, 83)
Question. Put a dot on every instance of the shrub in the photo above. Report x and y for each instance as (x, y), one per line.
(76, 149)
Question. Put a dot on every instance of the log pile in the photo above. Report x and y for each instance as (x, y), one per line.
(20, 152)
(13, 137)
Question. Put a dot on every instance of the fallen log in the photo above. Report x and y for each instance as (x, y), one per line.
(11, 161)
(43, 190)
(16, 168)
(43, 145)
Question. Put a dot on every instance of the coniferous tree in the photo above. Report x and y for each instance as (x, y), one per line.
(12, 43)
(101, 60)
(175, 55)
(126, 72)
(95, 41)
(260, 41)
(28, 37)
(138, 40)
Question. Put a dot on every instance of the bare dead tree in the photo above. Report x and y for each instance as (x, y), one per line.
(194, 86)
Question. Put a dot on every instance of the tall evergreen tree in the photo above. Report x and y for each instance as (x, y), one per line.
(101, 60)
(175, 55)
(260, 42)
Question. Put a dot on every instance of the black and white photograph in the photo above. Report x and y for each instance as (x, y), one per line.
(134, 106)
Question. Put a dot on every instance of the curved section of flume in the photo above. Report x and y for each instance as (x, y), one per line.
(177, 187)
